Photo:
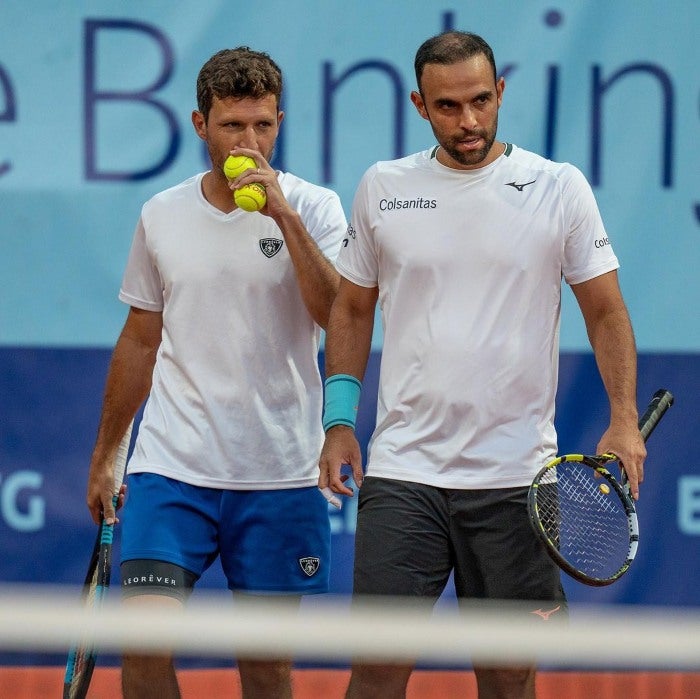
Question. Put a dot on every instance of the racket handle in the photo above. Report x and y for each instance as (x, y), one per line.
(120, 462)
(661, 401)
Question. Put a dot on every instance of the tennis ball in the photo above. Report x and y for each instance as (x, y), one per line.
(236, 164)
(250, 197)
(604, 488)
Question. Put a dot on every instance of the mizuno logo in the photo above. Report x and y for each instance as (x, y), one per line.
(270, 246)
(519, 187)
(546, 614)
(310, 565)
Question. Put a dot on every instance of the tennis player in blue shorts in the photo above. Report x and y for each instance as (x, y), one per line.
(221, 340)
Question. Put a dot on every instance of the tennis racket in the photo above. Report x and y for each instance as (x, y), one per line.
(82, 656)
(584, 516)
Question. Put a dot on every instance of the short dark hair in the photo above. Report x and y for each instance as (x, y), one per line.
(451, 47)
(238, 73)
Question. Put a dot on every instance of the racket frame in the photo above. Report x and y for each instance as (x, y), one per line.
(660, 402)
(80, 663)
(597, 464)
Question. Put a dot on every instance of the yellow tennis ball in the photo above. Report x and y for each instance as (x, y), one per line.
(236, 164)
(604, 488)
(250, 197)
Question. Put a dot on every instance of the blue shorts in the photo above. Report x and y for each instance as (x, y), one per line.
(269, 541)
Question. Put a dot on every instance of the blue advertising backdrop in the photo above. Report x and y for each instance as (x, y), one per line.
(95, 103)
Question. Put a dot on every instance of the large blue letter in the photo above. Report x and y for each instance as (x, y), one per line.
(330, 84)
(600, 87)
(33, 518)
(10, 113)
(93, 95)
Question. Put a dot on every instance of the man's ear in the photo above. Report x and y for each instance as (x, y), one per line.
(419, 104)
(500, 87)
(200, 124)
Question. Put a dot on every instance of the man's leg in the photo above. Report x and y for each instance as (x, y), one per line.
(150, 676)
(506, 682)
(162, 517)
(274, 548)
(265, 679)
(498, 558)
(401, 549)
(385, 681)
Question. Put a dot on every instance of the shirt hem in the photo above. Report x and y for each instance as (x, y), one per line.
(452, 483)
(199, 482)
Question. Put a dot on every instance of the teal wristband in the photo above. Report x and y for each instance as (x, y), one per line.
(342, 399)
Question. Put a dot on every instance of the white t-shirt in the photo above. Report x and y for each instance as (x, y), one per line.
(237, 396)
(469, 267)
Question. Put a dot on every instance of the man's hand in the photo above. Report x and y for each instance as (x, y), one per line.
(625, 441)
(341, 447)
(100, 492)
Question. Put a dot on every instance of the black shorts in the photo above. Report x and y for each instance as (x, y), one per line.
(410, 537)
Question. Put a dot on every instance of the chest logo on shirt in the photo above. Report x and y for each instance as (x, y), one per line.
(310, 565)
(519, 186)
(271, 246)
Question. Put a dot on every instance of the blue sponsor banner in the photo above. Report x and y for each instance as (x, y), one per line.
(49, 415)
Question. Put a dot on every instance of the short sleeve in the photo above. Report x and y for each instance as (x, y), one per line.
(358, 260)
(141, 284)
(588, 252)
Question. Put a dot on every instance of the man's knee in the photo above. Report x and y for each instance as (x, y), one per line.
(386, 681)
(146, 676)
(266, 678)
(506, 682)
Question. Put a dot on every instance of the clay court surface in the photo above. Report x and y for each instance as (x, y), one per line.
(43, 682)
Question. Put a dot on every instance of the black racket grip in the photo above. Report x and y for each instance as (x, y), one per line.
(661, 401)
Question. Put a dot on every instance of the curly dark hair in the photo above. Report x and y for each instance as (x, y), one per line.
(238, 73)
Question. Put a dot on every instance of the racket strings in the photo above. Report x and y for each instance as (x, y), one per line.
(585, 519)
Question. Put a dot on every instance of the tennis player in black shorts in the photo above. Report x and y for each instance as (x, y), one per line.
(464, 245)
